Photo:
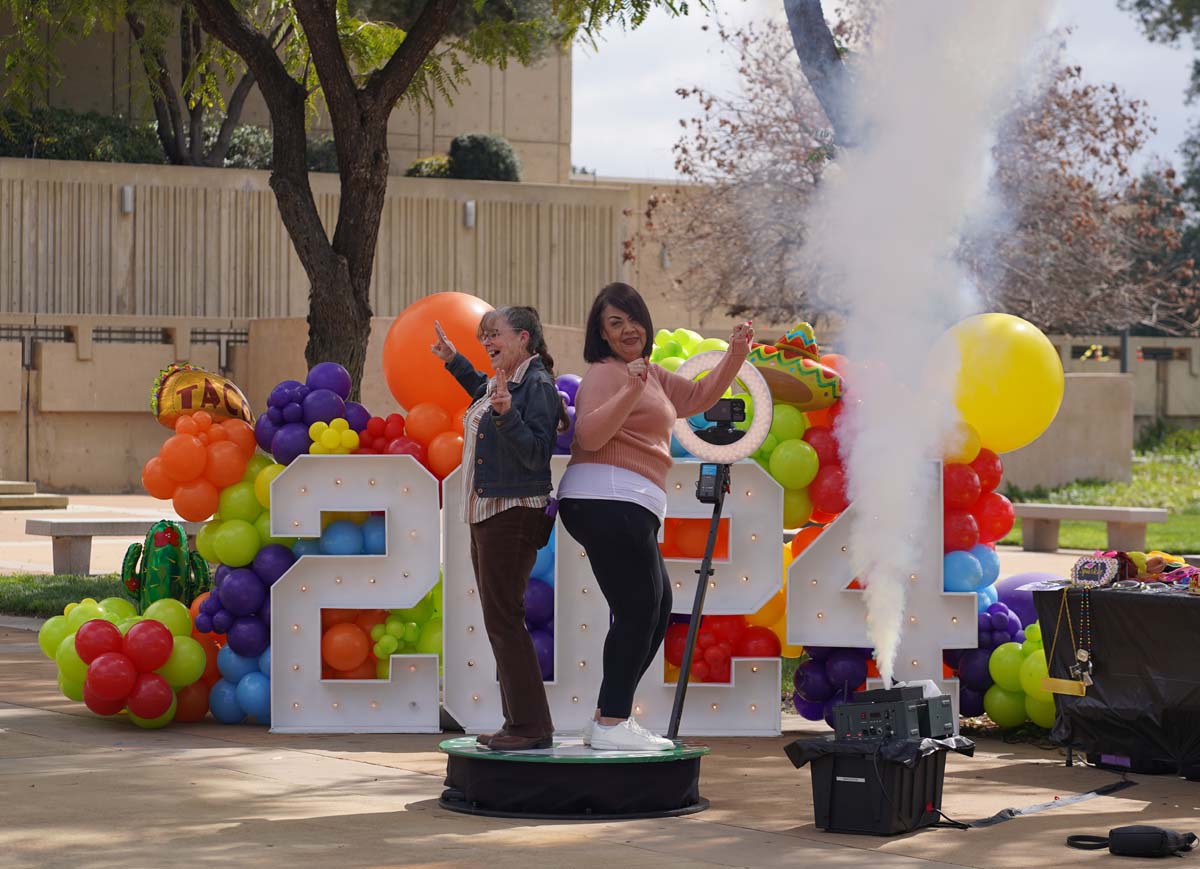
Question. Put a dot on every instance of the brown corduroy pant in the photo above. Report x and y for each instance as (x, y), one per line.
(503, 550)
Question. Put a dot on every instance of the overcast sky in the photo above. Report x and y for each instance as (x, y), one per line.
(626, 114)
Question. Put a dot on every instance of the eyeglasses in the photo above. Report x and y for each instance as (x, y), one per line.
(492, 335)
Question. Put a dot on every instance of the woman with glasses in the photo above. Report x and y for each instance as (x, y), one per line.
(508, 438)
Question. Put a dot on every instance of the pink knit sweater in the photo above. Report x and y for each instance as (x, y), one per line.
(626, 421)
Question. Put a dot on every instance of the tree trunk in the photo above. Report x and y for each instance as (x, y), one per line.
(822, 64)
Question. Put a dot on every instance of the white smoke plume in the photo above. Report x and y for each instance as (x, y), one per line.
(928, 97)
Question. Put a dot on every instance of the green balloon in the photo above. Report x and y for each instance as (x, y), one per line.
(173, 614)
(1028, 647)
(1040, 712)
(1005, 666)
(1033, 671)
(386, 646)
(263, 526)
(84, 612)
(257, 462)
(205, 541)
(378, 632)
(706, 344)
(239, 502)
(237, 542)
(71, 689)
(797, 507)
(1034, 632)
(793, 464)
(420, 613)
(788, 423)
(70, 665)
(51, 634)
(687, 338)
(185, 665)
(118, 608)
(1006, 708)
(672, 347)
(125, 625)
(768, 446)
(430, 641)
(671, 363)
(435, 595)
(383, 668)
(394, 626)
(161, 721)
(662, 336)
(412, 631)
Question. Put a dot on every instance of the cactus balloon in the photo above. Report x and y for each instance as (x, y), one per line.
(164, 567)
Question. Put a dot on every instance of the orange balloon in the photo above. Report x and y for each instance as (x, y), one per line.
(872, 669)
(414, 375)
(822, 518)
(192, 702)
(331, 617)
(459, 422)
(365, 670)
(211, 648)
(445, 453)
(240, 432)
(226, 463)
(344, 647)
(183, 457)
(426, 421)
(804, 537)
(837, 362)
(194, 609)
(367, 619)
(215, 434)
(203, 420)
(691, 535)
(155, 480)
(196, 501)
(186, 425)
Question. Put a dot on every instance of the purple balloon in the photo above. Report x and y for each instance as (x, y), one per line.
(539, 603)
(293, 412)
(951, 657)
(997, 607)
(846, 669)
(299, 393)
(264, 431)
(819, 653)
(970, 702)
(985, 621)
(1014, 624)
(331, 376)
(568, 383)
(220, 573)
(242, 593)
(566, 398)
(204, 621)
(679, 619)
(358, 416)
(999, 638)
(836, 700)
(275, 414)
(272, 561)
(808, 709)
(563, 440)
(249, 636)
(999, 621)
(323, 405)
(1019, 637)
(222, 621)
(282, 393)
(543, 645)
(1021, 602)
(985, 640)
(210, 606)
(289, 442)
(811, 682)
(264, 611)
(973, 669)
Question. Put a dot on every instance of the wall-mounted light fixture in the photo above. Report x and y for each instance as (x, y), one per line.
(469, 214)
(127, 199)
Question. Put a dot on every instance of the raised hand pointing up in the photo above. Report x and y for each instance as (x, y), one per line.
(443, 348)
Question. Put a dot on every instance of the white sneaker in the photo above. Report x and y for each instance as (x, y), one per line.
(589, 730)
(628, 736)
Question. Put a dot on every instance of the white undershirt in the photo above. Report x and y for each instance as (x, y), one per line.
(612, 483)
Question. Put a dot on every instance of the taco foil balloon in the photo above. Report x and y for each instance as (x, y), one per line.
(793, 370)
(181, 390)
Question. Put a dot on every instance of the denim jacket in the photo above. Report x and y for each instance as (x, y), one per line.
(512, 453)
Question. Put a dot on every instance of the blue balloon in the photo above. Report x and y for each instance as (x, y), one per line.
(234, 666)
(698, 422)
(677, 450)
(374, 532)
(989, 561)
(986, 597)
(264, 662)
(254, 696)
(223, 703)
(342, 537)
(306, 546)
(961, 571)
(543, 567)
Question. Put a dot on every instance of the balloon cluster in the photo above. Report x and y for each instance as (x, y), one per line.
(358, 644)
(244, 689)
(242, 523)
(997, 625)
(673, 348)
(1017, 669)
(239, 605)
(113, 660)
(828, 678)
(430, 434)
(539, 607)
(568, 386)
(293, 407)
(195, 463)
(333, 439)
(719, 640)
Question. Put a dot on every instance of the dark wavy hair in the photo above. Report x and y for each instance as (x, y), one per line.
(624, 298)
(522, 318)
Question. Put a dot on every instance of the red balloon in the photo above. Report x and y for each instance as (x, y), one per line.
(193, 702)
(699, 670)
(95, 637)
(99, 706)
(822, 440)
(148, 645)
(151, 696)
(989, 468)
(758, 642)
(722, 673)
(727, 629)
(111, 676)
(960, 486)
(403, 446)
(674, 643)
(994, 515)
(393, 427)
(715, 656)
(827, 491)
(705, 637)
(960, 531)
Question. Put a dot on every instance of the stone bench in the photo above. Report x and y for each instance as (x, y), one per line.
(71, 539)
(1126, 525)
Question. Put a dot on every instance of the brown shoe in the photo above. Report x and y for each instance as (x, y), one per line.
(512, 742)
(485, 738)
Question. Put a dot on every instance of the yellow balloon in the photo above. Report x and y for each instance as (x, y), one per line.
(962, 444)
(779, 629)
(1010, 379)
(262, 483)
(670, 672)
(771, 612)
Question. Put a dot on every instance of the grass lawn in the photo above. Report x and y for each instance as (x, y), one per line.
(44, 596)
(1179, 535)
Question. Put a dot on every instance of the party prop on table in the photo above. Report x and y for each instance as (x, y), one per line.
(795, 372)
(163, 567)
(181, 390)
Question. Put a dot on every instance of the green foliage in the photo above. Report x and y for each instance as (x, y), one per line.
(1152, 436)
(45, 596)
(321, 154)
(57, 134)
(483, 157)
(250, 147)
(429, 167)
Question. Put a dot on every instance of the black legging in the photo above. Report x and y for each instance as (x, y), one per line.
(621, 541)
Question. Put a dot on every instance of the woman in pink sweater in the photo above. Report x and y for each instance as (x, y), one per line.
(612, 493)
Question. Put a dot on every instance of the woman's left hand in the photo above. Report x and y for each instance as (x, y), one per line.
(501, 398)
(743, 335)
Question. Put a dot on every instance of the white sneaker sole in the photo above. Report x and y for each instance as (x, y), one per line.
(601, 744)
